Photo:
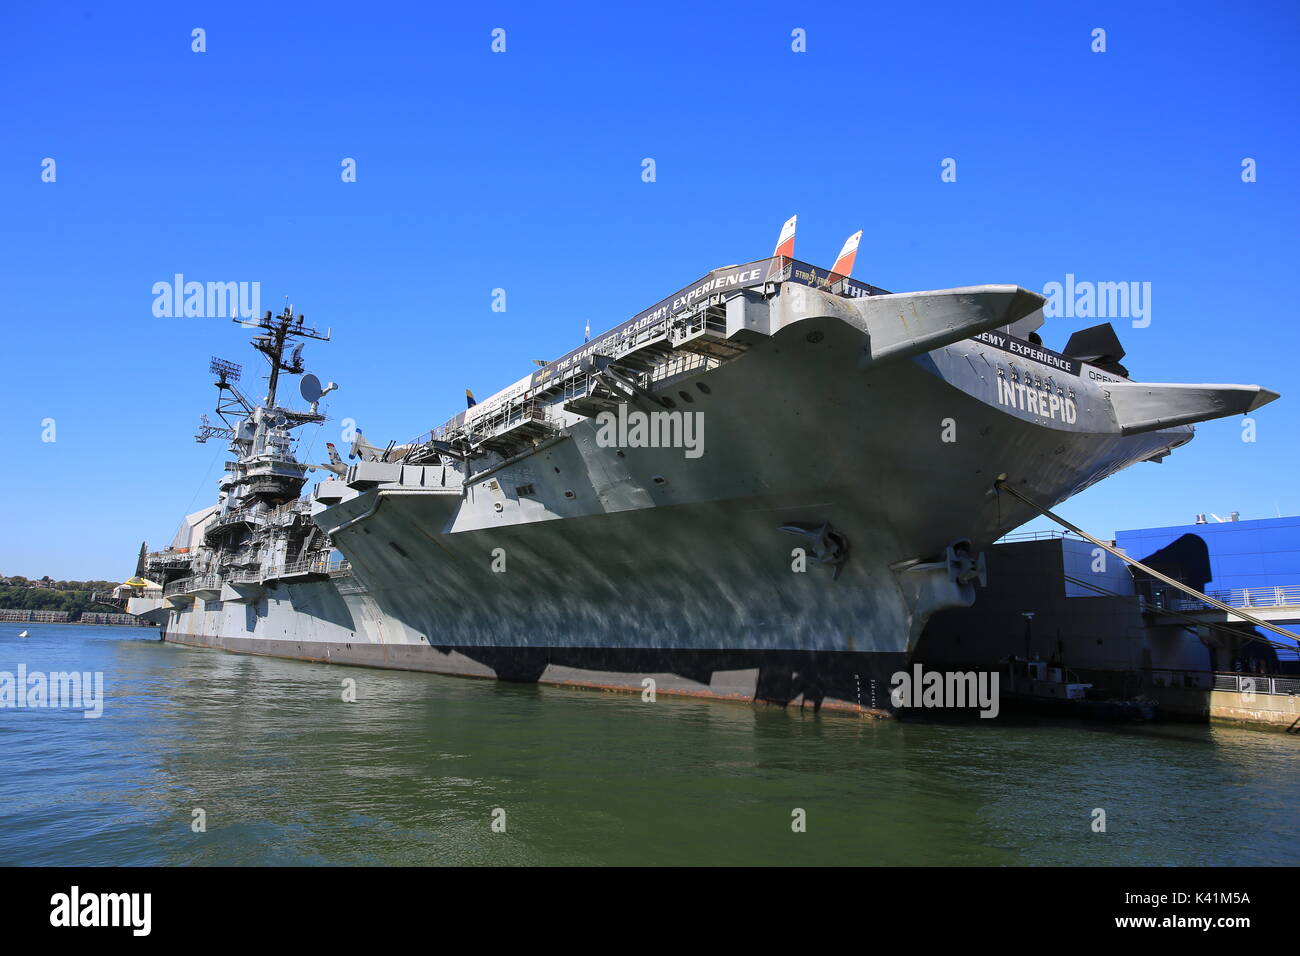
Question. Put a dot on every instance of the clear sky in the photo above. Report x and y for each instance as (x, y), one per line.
(522, 170)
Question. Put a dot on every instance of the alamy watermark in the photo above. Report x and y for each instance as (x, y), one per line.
(206, 300)
(75, 908)
(631, 428)
(61, 690)
(1101, 300)
(959, 690)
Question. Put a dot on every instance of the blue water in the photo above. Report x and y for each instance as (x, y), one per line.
(287, 772)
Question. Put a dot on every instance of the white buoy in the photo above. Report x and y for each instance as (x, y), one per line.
(23, 634)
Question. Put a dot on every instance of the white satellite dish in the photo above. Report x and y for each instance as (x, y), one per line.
(310, 388)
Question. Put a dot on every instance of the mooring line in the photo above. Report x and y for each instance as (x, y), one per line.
(1001, 484)
(1182, 616)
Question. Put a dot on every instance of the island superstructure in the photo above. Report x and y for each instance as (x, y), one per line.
(760, 488)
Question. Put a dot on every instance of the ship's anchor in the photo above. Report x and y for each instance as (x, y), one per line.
(825, 544)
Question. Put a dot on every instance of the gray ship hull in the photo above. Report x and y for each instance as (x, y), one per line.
(844, 682)
(578, 561)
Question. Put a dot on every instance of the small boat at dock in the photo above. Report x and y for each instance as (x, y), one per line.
(1047, 687)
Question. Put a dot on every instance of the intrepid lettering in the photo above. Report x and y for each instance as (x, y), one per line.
(1037, 401)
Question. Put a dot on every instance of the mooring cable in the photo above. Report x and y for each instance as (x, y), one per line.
(1001, 484)
(1180, 615)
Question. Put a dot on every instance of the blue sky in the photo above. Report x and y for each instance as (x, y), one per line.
(522, 171)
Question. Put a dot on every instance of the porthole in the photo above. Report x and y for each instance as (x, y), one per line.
(659, 480)
(703, 388)
(667, 402)
(569, 494)
(687, 397)
(498, 506)
(814, 337)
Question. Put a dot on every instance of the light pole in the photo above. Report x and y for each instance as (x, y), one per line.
(1029, 620)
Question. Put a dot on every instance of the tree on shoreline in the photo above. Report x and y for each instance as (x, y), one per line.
(49, 599)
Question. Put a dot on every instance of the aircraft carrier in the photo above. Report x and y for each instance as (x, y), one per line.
(759, 488)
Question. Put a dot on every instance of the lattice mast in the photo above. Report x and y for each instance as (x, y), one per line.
(278, 330)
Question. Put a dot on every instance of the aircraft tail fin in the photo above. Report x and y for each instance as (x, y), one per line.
(785, 243)
(844, 263)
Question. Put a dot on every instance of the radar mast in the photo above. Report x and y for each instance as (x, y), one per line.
(277, 330)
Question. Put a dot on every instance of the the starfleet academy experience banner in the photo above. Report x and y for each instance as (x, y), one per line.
(612, 342)
(1028, 350)
(616, 340)
(1228, 907)
(651, 321)
(719, 280)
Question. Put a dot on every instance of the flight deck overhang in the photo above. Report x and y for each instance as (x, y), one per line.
(1148, 406)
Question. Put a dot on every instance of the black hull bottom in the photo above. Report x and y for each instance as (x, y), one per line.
(836, 680)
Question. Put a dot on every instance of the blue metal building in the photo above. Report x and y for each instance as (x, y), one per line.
(1248, 564)
(1243, 554)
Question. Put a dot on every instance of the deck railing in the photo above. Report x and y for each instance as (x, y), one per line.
(318, 563)
(1032, 536)
(179, 586)
(199, 582)
(1162, 595)
(1257, 684)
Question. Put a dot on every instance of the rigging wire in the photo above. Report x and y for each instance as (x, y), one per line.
(1001, 485)
(1185, 618)
(204, 481)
